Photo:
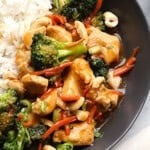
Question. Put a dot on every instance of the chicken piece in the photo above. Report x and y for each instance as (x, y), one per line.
(46, 105)
(22, 61)
(41, 22)
(71, 87)
(13, 82)
(107, 98)
(35, 85)
(59, 33)
(17, 85)
(97, 82)
(109, 45)
(114, 81)
(81, 30)
(104, 96)
(81, 134)
(37, 26)
(82, 68)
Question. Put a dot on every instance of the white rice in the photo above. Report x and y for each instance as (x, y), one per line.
(15, 19)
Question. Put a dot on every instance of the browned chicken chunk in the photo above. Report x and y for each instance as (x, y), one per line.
(103, 43)
(80, 134)
(35, 85)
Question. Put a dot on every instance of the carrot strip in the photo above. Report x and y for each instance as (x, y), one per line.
(58, 19)
(40, 146)
(67, 98)
(52, 73)
(58, 83)
(122, 70)
(67, 129)
(128, 65)
(47, 93)
(95, 11)
(57, 125)
(98, 116)
(54, 69)
(92, 114)
(97, 8)
(130, 61)
(86, 90)
(20, 117)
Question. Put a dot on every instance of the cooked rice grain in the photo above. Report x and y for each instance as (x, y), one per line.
(15, 19)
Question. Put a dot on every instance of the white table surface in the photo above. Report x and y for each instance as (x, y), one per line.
(138, 137)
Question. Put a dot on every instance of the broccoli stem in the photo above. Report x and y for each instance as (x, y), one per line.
(75, 51)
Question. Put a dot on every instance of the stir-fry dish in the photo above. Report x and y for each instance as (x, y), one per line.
(69, 77)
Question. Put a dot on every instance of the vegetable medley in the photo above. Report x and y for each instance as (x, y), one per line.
(69, 79)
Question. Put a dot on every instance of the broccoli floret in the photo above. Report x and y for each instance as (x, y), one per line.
(37, 131)
(17, 141)
(58, 4)
(25, 110)
(98, 21)
(6, 121)
(77, 9)
(65, 146)
(98, 66)
(47, 52)
(7, 109)
(8, 99)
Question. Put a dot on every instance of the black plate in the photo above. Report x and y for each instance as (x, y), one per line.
(134, 32)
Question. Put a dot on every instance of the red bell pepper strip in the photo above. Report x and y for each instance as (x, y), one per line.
(128, 65)
(57, 125)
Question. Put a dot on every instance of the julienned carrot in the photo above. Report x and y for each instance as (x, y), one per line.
(58, 83)
(57, 125)
(54, 69)
(95, 11)
(47, 93)
(92, 114)
(67, 128)
(128, 65)
(97, 8)
(86, 90)
(122, 70)
(52, 73)
(67, 98)
(40, 146)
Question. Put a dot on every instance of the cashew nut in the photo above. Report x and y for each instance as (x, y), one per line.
(111, 20)
(48, 147)
(76, 105)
